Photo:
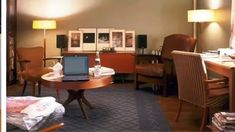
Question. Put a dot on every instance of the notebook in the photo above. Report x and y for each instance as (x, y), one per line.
(75, 68)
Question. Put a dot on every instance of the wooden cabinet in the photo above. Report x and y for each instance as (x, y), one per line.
(121, 62)
(11, 41)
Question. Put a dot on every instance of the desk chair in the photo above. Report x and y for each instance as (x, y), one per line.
(195, 87)
(31, 66)
(159, 74)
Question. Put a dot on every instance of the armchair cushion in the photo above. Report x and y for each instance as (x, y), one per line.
(154, 70)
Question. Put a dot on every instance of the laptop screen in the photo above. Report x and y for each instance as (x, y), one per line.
(75, 65)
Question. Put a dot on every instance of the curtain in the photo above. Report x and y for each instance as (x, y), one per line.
(232, 37)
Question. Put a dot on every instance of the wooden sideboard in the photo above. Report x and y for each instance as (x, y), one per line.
(121, 62)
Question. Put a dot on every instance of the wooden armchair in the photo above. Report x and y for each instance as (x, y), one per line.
(195, 87)
(31, 66)
(159, 74)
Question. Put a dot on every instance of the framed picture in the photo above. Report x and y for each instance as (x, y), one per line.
(117, 38)
(89, 39)
(75, 41)
(103, 38)
(130, 41)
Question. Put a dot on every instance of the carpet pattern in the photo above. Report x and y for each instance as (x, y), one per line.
(115, 109)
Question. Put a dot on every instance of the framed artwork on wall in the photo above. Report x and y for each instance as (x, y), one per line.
(130, 40)
(89, 39)
(103, 38)
(75, 40)
(117, 38)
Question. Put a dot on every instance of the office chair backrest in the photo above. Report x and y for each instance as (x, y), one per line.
(191, 74)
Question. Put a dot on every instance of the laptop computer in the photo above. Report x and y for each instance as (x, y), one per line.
(75, 68)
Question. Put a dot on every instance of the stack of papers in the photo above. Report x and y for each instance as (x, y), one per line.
(104, 71)
(224, 121)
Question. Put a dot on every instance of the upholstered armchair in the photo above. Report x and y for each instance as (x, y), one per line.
(195, 87)
(31, 62)
(159, 74)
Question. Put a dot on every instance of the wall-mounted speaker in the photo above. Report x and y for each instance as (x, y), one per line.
(61, 41)
(142, 41)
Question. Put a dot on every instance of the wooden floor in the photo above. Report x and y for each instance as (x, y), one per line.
(189, 119)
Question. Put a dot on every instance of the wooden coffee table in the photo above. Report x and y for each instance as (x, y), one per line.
(76, 89)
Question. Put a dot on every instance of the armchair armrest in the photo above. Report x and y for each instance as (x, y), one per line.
(58, 58)
(24, 64)
(217, 83)
(24, 61)
(217, 80)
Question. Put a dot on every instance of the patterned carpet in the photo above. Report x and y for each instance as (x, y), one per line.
(116, 108)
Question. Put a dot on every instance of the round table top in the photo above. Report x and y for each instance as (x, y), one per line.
(49, 80)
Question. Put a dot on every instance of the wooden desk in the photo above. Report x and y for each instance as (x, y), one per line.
(76, 89)
(121, 62)
(226, 69)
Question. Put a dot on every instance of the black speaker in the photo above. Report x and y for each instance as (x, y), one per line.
(61, 41)
(142, 41)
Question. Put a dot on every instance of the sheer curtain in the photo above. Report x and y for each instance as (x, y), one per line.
(232, 37)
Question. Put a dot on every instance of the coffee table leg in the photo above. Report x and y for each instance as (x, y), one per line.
(79, 95)
(72, 96)
(84, 100)
(82, 109)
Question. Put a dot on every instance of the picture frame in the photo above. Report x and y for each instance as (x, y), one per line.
(103, 38)
(130, 41)
(89, 39)
(75, 40)
(117, 39)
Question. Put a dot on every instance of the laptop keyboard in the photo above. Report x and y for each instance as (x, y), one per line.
(76, 78)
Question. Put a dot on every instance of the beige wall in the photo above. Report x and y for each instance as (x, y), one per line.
(216, 35)
(156, 18)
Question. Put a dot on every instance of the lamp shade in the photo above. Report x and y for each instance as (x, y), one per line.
(202, 15)
(44, 24)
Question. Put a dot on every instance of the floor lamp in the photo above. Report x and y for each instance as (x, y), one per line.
(44, 24)
(200, 16)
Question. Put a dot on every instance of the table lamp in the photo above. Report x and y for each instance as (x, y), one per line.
(44, 24)
(200, 16)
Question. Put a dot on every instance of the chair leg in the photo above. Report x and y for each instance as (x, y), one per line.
(179, 110)
(25, 84)
(33, 89)
(165, 91)
(58, 93)
(204, 118)
(154, 89)
(136, 82)
(39, 88)
(165, 85)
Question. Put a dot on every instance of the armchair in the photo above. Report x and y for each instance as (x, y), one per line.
(159, 74)
(31, 62)
(195, 87)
